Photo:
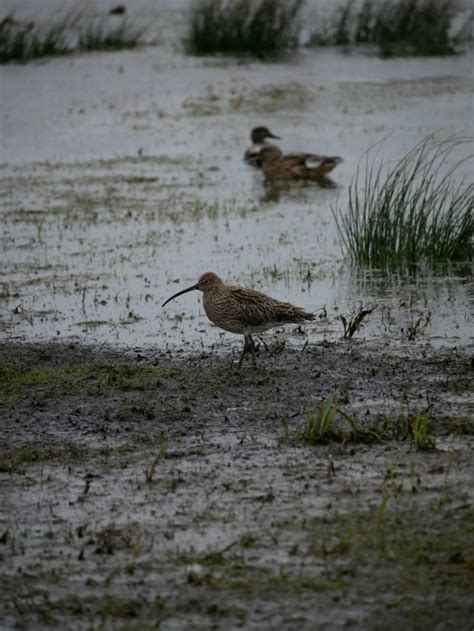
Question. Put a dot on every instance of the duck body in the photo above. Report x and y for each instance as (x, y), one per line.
(294, 166)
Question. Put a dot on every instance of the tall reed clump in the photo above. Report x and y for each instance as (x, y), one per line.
(21, 41)
(416, 212)
(416, 27)
(397, 27)
(25, 41)
(255, 27)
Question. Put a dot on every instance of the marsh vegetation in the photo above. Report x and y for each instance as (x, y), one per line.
(395, 27)
(410, 212)
(261, 28)
(23, 41)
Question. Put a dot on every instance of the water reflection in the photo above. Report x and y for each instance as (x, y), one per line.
(379, 282)
(413, 303)
(274, 190)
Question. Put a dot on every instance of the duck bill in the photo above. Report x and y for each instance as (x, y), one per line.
(273, 136)
(183, 291)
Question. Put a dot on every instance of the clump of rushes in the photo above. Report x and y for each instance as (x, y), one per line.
(255, 27)
(25, 41)
(22, 41)
(414, 213)
(320, 420)
(397, 27)
(416, 27)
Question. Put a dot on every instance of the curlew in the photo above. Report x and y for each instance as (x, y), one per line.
(294, 166)
(258, 136)
(243, 311)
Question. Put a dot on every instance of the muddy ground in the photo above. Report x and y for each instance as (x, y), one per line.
(145, 490)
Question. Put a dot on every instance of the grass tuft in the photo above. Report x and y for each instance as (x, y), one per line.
(415, 428)
(397, 27)
(414, 214)
(320, 421)
(323, 425)
(259, 28)
(419, 427)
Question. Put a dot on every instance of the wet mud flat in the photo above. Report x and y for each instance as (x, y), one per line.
(145, 490)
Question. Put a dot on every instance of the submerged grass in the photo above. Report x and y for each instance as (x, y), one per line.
(413, 214)
(15, 459)
(44, 382)
(397, 27)
(399, 540)
(259, 28)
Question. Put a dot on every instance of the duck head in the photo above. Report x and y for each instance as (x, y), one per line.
(259, 134)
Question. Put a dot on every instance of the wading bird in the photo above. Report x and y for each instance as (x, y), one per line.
(243, 311)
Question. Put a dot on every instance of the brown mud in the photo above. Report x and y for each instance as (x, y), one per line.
(144, 490)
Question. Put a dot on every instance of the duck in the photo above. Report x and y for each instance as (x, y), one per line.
(258, 135)
(294, 166)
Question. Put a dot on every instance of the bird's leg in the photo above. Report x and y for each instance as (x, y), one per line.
(252, 350)
(245, 351)
(267, 348)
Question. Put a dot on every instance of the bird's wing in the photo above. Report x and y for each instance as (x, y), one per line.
(310, 160)
(314, 161)
(297, 157)
(255, 308)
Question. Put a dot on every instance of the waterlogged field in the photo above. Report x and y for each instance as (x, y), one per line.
(146, 485)
(147, 188)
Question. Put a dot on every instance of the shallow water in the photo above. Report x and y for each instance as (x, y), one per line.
(122, 181)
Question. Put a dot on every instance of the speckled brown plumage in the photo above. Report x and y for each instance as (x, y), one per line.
(294, 166)
(244, 311)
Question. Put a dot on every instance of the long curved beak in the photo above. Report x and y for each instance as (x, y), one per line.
(183, 291)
